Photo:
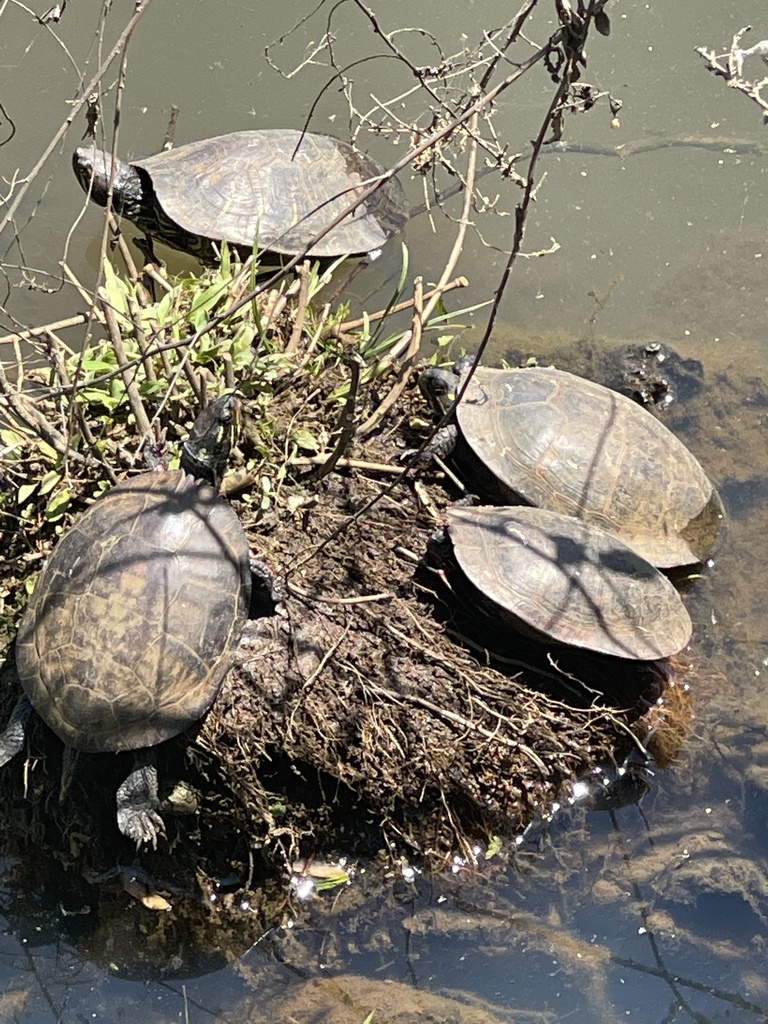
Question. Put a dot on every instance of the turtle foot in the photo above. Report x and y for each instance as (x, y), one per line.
(12, 739)
(142, 825)
(137, 802)
(267, 591)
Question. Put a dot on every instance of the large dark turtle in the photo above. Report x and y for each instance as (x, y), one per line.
(569, 580)
(561, 442)
(134, 621)
(274, 189)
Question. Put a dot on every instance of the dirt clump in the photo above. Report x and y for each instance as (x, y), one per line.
(374, 704)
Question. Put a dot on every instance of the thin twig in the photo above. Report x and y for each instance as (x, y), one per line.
(361, 464)
(404, 372)
(35, 332)
(468, 724)
(307, 595)
(346, 425)
(353, 325)
(129, 376)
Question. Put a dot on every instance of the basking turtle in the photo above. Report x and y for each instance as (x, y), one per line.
(569, 580)
(558, 441)
(274, 189)
(135, 619)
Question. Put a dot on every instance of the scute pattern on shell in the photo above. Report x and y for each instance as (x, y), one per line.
(266, 187)
(134, 621)
(569, 580)
(564, 443)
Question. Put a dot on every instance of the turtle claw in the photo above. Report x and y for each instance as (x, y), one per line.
(143, 826)
(137, 803)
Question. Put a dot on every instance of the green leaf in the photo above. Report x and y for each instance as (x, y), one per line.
(91, 396)
(403, 272)
(201, 311)
(306, 439)
(148, 388)
(11, 440)
(25, 492)
(242, 341)
(117, 295)
(49, 481)
(97, 359)
(46, 450)
(163, 309)
(493, 847)
(342, 878)
(110, 401)
(365, 330)
(226, 259)
(101, 488)
(58, 505)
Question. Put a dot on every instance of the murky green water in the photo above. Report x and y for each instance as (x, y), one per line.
(661, 913)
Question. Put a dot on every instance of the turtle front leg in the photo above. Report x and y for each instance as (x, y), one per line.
(439, 446)
(12, 739)
(137, 802)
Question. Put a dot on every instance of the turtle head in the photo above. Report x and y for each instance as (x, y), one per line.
(205, 452)
(439, 386)
(93, 169)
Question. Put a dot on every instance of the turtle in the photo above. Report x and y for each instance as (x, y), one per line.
(274, 189)
(555, 440)
(569, 580)
(136, 616)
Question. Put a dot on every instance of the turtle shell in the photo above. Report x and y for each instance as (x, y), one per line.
(569, 580)
(135, 619)
(565, 443)
(275, 188)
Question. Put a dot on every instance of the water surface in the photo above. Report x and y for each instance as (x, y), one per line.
(659, 913)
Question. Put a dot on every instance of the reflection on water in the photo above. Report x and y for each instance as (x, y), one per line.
(655, 912)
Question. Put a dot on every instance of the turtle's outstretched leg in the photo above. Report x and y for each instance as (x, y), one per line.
(137, 802)
(12, 739)
(68, 765)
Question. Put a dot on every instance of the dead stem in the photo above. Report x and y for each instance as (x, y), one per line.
(301, 310)
(35, 332)
(76, 411)
(22, 409)
(346, 424)
(307, 595)
(85, 92)
(128, 376)
(354, 325)
(414, 343)
(362, 464)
